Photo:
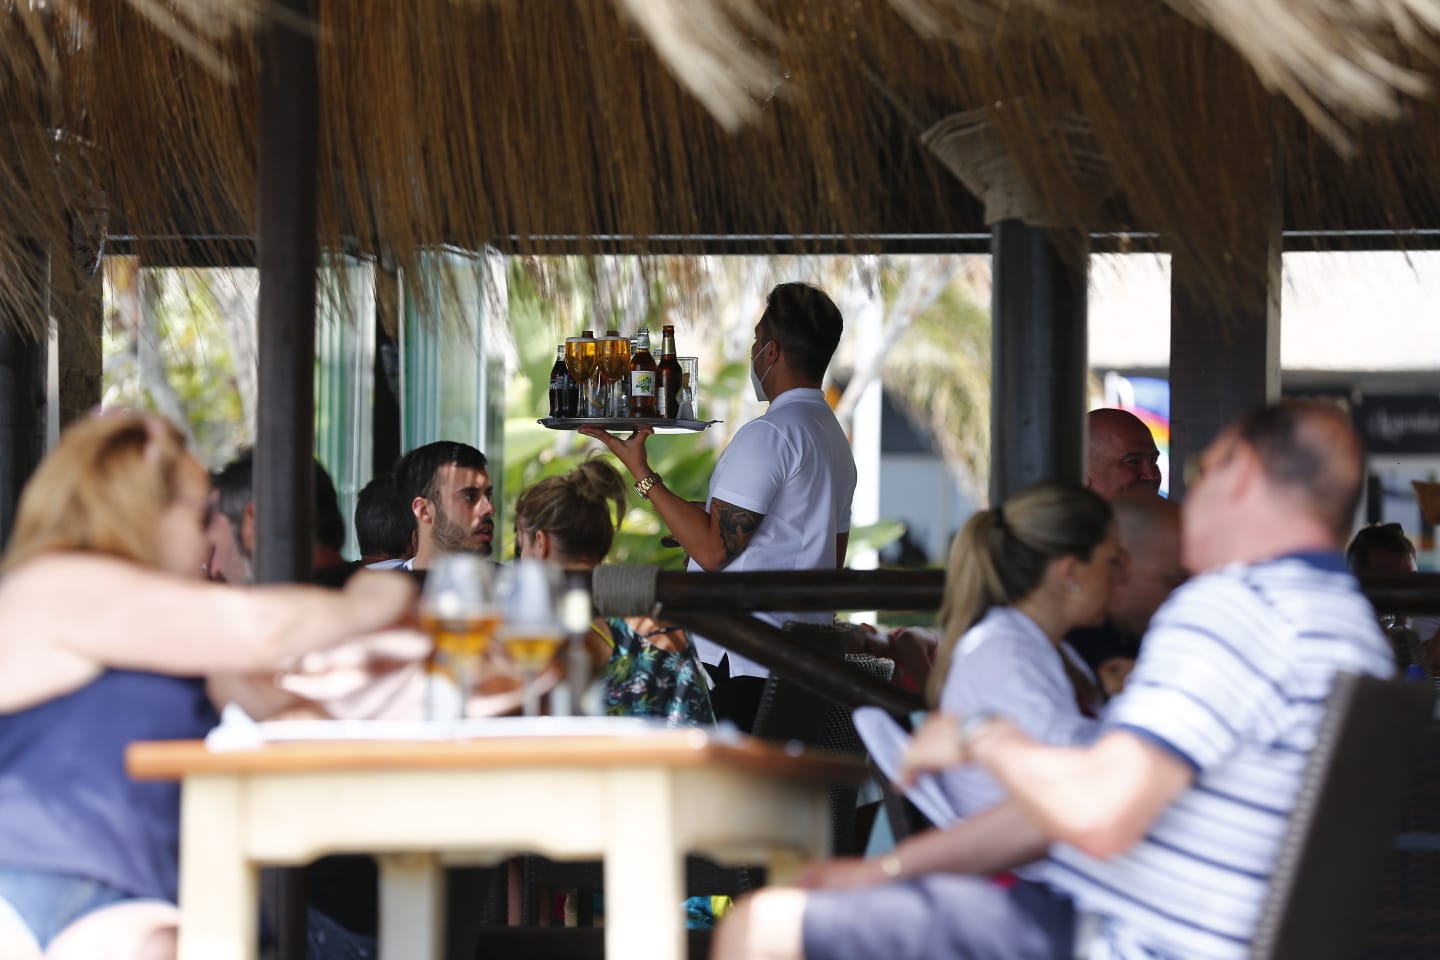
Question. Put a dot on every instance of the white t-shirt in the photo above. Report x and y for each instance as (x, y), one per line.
(1232, 680)
(794, 465)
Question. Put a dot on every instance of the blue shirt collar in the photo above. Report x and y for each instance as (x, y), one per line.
(1327, 561)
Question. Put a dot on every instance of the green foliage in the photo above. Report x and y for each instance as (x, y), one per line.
(184, 334)
(533, 453)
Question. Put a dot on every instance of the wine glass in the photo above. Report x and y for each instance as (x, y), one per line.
(531, 629)
(582, 354)
(459, 612)
(615, 361)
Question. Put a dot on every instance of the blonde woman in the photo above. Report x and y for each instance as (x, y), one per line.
(1021, 575)
(649, 668)
(107, 630)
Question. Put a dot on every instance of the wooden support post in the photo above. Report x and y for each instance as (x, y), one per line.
(79, 342)
(23, 369)
(1225, 340)
(288, 255)
(1038, 360)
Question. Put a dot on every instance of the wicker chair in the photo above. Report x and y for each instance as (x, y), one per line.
(1405, 921)
(1333, 852)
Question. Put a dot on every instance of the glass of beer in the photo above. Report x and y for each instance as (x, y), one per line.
(531, 630)
(459, 612)
(582, 357)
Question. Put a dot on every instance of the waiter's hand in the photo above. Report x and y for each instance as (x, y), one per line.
(630, 451)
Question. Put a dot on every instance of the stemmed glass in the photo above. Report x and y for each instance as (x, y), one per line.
(531, 629)
(582, 356)
(459, 612)
(615, 362)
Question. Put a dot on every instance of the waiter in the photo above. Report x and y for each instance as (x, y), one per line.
(780, 495)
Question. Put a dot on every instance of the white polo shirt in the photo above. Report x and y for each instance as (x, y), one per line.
(794, 465)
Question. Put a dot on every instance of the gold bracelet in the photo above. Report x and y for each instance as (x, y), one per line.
(642, 487)
(890, 865)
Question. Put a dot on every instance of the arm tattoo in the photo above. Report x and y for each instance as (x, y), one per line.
(736, 527)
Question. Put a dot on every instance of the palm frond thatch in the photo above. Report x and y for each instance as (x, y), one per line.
(591, 125)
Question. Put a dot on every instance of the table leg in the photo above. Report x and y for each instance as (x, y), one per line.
(219, 889)
(786, 864)
(412, 907)
(644, 870)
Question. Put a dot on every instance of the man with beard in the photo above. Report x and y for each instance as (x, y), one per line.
(450, 494)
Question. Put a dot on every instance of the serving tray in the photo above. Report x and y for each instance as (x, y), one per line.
(660, 424)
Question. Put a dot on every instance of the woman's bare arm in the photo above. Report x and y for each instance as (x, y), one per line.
(115, 614)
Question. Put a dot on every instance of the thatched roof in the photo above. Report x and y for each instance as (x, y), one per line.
(513, 122)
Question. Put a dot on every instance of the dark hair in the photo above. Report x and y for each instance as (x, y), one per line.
(235, 487)
(414, 473)
(806, 324)
(384, 522)
(574, 511)
(1377, 536)
(1000, 556)
(329, 523)
(1310, 446)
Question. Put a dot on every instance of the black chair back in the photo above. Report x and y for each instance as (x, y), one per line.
(1334, 849)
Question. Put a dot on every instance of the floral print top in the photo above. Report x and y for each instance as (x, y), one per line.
(643, 680)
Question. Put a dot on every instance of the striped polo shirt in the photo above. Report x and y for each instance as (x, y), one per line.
(1232, 680)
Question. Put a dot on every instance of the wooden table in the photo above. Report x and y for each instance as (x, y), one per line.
(640, 802)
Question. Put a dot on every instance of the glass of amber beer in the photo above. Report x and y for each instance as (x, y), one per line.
(531, 630)
(459, 612)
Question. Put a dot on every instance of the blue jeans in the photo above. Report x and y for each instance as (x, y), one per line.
(47, 903)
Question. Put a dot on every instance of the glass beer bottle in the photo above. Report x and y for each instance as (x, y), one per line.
(669, 376)
(642, 378)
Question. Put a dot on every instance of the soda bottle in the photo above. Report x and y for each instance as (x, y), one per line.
(559, 383)
(642, 378)
(670, 378)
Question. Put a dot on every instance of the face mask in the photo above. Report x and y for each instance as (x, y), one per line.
(758, 381)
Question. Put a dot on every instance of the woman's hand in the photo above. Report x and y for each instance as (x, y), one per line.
(630, 451)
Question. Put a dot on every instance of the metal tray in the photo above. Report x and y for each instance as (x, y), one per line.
(623, 424)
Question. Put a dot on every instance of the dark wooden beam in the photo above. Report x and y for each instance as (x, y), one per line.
(79, 341)
(23, 369)
(1038, 361)
(801, 591)
(824, 675)
(288, 255)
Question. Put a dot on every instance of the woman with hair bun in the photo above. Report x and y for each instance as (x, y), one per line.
(649, 668)
(108, 628)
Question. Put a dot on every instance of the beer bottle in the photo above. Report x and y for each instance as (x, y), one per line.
(642, 378)
(669, 376)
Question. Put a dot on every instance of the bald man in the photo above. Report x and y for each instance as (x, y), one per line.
(1149, 529)
(1121, 456)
